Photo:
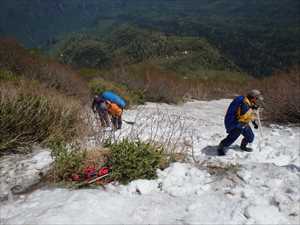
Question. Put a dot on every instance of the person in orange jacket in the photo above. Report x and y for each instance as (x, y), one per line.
(116, 114)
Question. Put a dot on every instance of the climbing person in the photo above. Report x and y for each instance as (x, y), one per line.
(100, 105)
(115, 105)
(239, 115)
(116, 114)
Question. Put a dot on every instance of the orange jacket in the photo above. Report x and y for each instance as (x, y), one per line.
(114, 109)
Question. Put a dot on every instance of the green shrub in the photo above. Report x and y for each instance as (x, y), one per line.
(82, 50)
(30, 114)
(8, 75)
(68, 160)
(132, 160)
(89, 73)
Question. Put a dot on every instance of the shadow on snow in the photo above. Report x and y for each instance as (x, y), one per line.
(212, 150)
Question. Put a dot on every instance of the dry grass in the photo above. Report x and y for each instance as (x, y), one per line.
(151, 82)
(282, 96)
(158, 85)
(31, 114)
(281, 90)
(96, 157)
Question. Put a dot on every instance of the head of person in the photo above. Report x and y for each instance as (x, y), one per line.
(254, 95)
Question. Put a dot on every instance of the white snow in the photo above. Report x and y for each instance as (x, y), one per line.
(265, 213)
(264, 189)
(20, 172)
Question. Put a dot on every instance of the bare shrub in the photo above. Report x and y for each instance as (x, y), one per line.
(62, 78)
(150, 82)
(281, 93)
(158, 85)
(163, 88)
(159, 128)
(215, 88)
(281, 96)
(96, 157)
(15, 58)
(95, 134)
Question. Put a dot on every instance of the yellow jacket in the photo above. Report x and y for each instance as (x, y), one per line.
(244, 113)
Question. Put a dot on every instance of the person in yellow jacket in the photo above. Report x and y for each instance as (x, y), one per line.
(109, 107)
(239, 115)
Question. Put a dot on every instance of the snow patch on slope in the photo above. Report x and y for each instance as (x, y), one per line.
(261, 187)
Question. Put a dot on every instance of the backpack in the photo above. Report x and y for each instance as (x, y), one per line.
(114, 98)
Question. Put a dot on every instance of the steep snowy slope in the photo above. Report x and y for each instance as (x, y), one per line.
(261, 187)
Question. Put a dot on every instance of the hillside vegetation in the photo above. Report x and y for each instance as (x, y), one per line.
(41, 101)
(129, 45)
(62, 52)
(258, 36)
(29, 64)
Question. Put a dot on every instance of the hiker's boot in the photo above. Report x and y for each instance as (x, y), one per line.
(221, 150)
(244, 146)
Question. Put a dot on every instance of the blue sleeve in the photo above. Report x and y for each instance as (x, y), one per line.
(244, 108)
(230, 118)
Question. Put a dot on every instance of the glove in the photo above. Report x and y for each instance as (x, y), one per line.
(255, 125)
(255, 107)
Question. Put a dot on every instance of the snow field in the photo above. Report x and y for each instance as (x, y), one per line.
(263, 190)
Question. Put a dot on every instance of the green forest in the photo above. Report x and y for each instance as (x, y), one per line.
(256, 37)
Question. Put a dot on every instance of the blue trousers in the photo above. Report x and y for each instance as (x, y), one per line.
(103, 114)
(235, 133)
(117, 122)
